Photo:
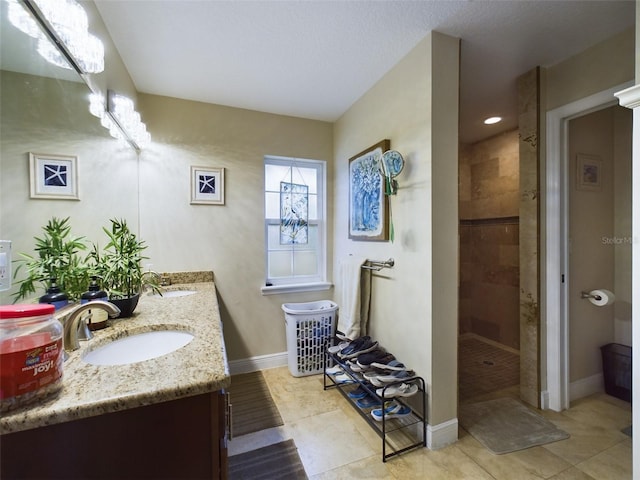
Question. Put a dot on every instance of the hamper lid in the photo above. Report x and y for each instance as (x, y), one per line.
(25, 310)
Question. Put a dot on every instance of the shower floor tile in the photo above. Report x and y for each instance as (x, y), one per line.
(484, 368)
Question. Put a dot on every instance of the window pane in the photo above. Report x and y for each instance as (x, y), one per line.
(273, 175)
(306, 263)
(272, 205)
(294, 263)
(313, 207)
(280, 264)
(306, 176)
(274, 238)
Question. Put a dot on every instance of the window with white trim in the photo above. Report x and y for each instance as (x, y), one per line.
(295, 234)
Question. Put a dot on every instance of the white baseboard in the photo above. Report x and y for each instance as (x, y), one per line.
(261, 362)
(442, 435)
(586, 386)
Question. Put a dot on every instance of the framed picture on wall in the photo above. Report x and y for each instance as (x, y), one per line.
(368, 205)
(53, 177)
(589, 172)
(207, 186)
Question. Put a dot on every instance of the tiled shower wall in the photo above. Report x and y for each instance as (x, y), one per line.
(489, 232)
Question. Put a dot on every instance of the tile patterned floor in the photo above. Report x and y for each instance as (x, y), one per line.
(484, 367)
(335, 443)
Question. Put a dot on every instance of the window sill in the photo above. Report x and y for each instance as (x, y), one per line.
(296, 288)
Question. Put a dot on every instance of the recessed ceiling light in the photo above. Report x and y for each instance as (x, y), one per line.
(492, 120)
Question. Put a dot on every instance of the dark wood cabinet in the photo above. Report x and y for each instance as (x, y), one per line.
(180, 439)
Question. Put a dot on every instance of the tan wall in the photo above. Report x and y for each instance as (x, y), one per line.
(606, 65)
(152, 190)
(591, 263)
(598, 68)
(227, 239)
(401, 107)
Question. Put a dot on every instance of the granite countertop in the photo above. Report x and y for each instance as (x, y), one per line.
(88, 390)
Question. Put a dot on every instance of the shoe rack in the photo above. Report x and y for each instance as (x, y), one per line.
(398, 435)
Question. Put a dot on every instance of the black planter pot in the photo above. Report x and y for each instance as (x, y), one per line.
(126, 305)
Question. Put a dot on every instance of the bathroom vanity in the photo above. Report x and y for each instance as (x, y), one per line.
(164, 417)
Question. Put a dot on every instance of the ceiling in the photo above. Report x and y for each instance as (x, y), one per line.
(314, 59)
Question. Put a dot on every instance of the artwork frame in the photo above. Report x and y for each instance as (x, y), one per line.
(588, 172)
(368, 204)
(207, 185)
(53, 176)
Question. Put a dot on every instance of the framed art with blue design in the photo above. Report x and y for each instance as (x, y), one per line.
(368, 205)
(207, 185)
(53, 177)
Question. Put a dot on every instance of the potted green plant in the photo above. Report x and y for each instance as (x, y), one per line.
(57, 260)
(120, 266)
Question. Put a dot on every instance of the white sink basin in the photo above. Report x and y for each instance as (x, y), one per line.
(175, 293)
(138, 348)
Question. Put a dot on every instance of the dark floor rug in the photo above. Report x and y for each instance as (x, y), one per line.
(280, 460)
(253, 408)
(506, 425)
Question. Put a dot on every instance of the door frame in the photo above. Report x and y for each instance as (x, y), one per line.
(555, 277)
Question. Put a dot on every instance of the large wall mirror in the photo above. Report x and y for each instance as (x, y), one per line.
(44, 110)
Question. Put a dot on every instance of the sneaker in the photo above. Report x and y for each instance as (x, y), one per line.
(354, 346)
(389, 364)
(390, 377)
(335, 370)
(391, 410)
(367, 402)
(364, 360)
(357, 393)
(402, 390)
(338, 347)
(343, 379)
(355, 367)
(363, 347)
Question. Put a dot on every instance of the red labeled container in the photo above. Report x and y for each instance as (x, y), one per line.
(31, 354)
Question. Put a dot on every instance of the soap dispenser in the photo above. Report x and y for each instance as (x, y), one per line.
(54, 296)
(98, 318)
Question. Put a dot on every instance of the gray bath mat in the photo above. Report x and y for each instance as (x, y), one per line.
(506, 425)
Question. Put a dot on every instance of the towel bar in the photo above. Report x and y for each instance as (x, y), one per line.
(378, 265)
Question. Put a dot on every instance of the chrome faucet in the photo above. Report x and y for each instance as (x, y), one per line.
(75, 325)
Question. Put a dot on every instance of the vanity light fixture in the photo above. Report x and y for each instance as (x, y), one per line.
(118, 116)
(492, 120)
(61, 28)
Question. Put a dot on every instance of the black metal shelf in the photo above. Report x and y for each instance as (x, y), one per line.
(398, 434)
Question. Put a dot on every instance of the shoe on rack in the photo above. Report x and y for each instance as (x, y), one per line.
(381, 379)
(391, 410)
(343, 379)
(358, 393)
(389, 364)
(367, 402)
(365, 359)
(363, 347)
(372, 375)
(402, 390)
(338, 347)
(335, 370)
(354, 346)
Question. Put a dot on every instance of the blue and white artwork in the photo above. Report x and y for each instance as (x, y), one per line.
(55, 175)
(294, 213)
(366, 202)
(207, 183)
